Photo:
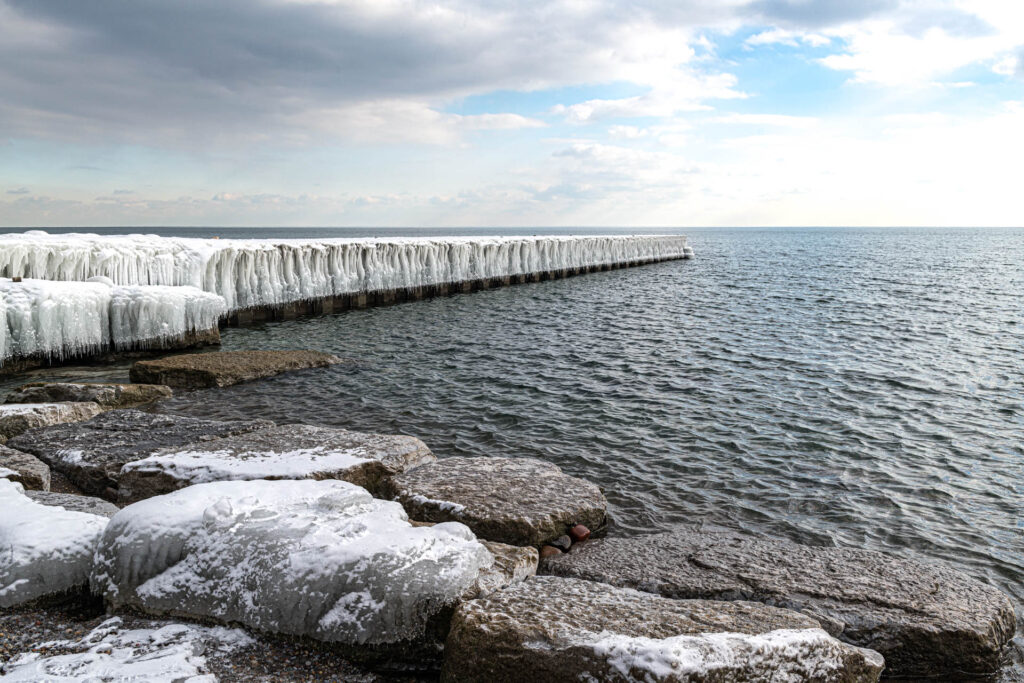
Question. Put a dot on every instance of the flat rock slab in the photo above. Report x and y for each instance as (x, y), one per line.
(45, 552)
(107, 395)
(26, 469)
(91, 453)
(512, 564)
(282, 452)
(224, 368)
(925, 619)
(321, 559)
(520, 501)
(552, 629)
(17, 418)
(74, 502)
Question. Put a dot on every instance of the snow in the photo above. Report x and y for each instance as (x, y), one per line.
(788, 654)
(250, 273)
(110, 652)
(43, 550)
(315, 558)
(443, 505)
(61, 319)
(199, 467)
(5, 472)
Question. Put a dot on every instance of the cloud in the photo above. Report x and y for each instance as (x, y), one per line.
(19, 190)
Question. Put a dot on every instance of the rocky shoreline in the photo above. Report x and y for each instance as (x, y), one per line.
(328, 554)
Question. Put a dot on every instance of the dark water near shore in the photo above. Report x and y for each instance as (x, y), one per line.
(848, 387)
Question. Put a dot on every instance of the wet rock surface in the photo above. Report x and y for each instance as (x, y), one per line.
(520, 501)
(224, 368)
(556, 629)
(925, 619)
(17, 418)
(26, 469)
(92, 453)
(107, 395)
(75, 502)
(281, 452)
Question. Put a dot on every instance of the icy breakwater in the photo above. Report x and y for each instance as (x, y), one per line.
(257, 273)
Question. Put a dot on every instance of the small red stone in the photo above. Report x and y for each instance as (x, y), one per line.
(579, 533)
(549, 551)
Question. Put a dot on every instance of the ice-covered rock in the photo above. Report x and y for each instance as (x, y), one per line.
(27, 470)
(550, 629)
(926, 619)
(224, 368)
(308, 558)
(92, 453)
(44, 551)
(16, 418)
(75, 502)
(250, 273)
(282, 452)
(55, 319)
(112, 653)
(107, 395)
(512, 564)
(521, 501)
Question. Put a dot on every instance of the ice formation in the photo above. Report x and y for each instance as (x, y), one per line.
(44, 550)
(57, 319)
(110, 652)
(315, 558)
(251, 273)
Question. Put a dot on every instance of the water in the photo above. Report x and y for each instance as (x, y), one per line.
(857, 387)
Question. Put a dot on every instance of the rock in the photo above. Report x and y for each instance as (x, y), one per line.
(550, 550)
(224, 368)
(45, 552)
(27, 470)
(75, 503)
(282, 452)
(579, 533)
(925, 619)
(92, 453)
(520, 501)
(107, 395)
(320, 559)
(20, 417)
(563, 543)
(512, 564)
(551, 629)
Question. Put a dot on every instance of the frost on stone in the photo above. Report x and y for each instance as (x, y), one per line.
(314, 558)
(44, 550)
(59, 319)
(111, 652)
(251, 273)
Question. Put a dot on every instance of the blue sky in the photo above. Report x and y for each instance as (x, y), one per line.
(558, 113)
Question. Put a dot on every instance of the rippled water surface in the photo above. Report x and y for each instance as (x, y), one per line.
(860, 388)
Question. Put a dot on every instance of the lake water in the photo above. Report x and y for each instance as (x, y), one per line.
(850, 387)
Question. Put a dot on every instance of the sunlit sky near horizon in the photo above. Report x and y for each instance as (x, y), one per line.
(547, 113)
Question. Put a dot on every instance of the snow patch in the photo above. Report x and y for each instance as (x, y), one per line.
(444, 505)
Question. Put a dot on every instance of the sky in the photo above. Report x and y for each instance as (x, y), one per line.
(498, 113)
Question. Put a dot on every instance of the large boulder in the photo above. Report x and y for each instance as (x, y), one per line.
(552, 629)
(224, 368)
(321, 559)
(92, 453)
(17, 418)
(282, 452)
(26, 469)
(520, 501)
(107, 395)
(75, 502)
(45, 552)
(926, 619)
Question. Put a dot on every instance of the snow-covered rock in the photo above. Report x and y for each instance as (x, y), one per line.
(282, 452)
(250, 273)
(550, 629)
(44, 551)
(16, 418)
(521, 501)
(92, 453)
(27, 470)
(309, 558)
(107, 395)
(111, 653)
